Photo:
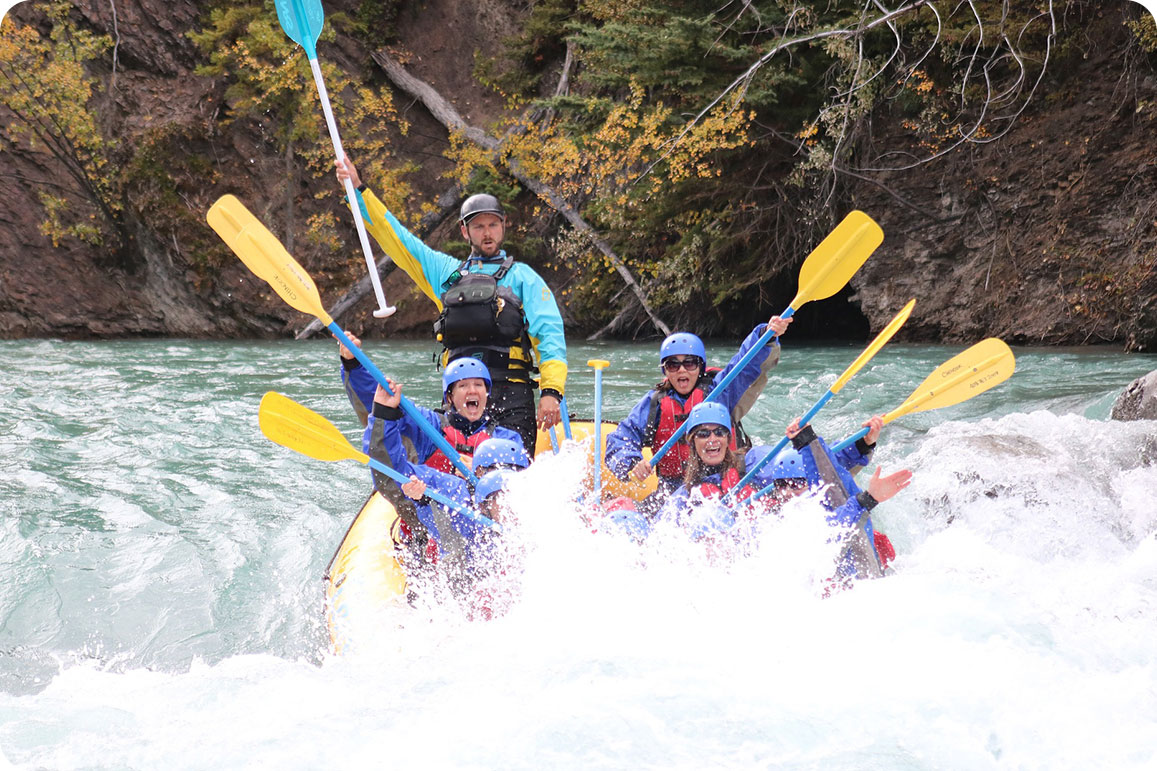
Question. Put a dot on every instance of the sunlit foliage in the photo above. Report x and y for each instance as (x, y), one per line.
(45, 84)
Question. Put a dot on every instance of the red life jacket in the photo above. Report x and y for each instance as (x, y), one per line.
(465, 445)
(730, 479)
(665, 417)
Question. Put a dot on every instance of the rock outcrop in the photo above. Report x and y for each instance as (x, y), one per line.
(1138, 401)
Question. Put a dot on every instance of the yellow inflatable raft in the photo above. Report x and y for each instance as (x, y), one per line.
(364, 580)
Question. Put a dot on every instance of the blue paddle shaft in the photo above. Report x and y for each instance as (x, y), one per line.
(470, 514)
(717, 391)
(406, 404)
(598, 450)
(779, 447)
(852, 439)
(565, 419)
(760, 493)
(751, 472)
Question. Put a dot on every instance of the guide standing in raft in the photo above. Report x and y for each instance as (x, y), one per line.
(492, 308)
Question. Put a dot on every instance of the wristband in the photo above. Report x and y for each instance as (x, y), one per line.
(806, 435)
(386, 412)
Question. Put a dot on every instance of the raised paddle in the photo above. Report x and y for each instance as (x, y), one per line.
(263, 254)
(299, 428)
(825, 271)
(969, 373)
(302, 21)
(873, 348)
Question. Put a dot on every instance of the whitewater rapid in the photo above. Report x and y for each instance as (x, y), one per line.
(162, 602)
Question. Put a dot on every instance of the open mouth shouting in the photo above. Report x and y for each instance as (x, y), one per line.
(711, 443)
(469, 398)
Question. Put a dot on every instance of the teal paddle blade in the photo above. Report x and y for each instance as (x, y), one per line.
(302, 21)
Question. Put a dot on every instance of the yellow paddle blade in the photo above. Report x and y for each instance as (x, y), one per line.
(263, 254)
(881, 339)
(831, 264)
(299, 428)
(969, 373)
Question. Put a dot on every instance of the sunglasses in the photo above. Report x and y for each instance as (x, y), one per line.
(674, 365)
(703, 433)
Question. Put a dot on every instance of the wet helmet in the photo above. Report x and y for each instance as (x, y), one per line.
(682, 344)
(461, 369)
(480, 203)
(787, 465)
(776, 468)
(490, 484)
(754, 457)
(500, 452)
(707, 413)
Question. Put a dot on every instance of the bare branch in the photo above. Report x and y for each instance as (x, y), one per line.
(445, 113)
(749, 73)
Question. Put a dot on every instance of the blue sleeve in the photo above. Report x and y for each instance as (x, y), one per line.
(392, 442)
(544, 324)
(427, 268)
(852, 459)
(814, 477)
(625, 443)
(751, 373)
(359, 386)
(449, 485)
(847, 515)
(456, 489)
(407, 428)
(424, 446)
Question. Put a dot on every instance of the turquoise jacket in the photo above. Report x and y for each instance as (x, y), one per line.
(430, 270)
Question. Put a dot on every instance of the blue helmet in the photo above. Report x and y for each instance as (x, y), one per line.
(500, 452)
(705, 413)
(491, 483)
(788, 465)
(682, 344)
(754, 456)
(461, 369)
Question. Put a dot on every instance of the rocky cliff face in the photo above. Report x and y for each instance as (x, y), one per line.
(1046, 236)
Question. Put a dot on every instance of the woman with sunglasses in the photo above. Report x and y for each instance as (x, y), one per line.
(712, 471)
(686, 382)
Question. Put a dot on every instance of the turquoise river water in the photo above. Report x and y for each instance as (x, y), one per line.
(161, 597)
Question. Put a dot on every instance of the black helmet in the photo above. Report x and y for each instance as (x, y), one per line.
(480, 203)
